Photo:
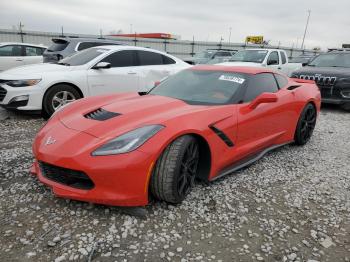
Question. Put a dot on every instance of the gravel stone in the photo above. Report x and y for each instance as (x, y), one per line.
(291, 205)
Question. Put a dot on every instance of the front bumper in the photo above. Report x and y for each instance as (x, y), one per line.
(334, 95)
(8, 96)
(118, 180)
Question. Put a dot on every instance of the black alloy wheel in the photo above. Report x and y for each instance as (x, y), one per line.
(306, 125)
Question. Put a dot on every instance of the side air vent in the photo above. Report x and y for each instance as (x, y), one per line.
(222, 135)
(293, 87)
(101, 115)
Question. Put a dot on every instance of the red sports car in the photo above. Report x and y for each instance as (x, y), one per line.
(202, 123)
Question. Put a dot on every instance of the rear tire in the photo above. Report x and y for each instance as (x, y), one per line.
(58, 96)
(306, 125)
(175, 171)
(345, 106)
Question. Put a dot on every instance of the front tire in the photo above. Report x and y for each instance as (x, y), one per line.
(306, 125)
(175, 171)
(58, 96)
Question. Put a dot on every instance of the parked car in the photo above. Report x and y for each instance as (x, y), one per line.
(18, 54)
(331, 72)
(275, 59)
(202, 123)
(94, 71)
(63, 47)
(206, 56)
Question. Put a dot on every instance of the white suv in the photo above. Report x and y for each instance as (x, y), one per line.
(94, 71)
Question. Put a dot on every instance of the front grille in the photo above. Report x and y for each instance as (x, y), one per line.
(3, 93)
(101, 115)
(320, 79)
(65, 176)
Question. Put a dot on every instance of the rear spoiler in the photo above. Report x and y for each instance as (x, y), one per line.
(303, 81)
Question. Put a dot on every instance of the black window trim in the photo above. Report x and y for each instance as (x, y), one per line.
(36, 47)
(278, 85)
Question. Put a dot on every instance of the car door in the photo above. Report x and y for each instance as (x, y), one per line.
(273, 61)
(284, 68)
(33, 55)
(153, 67)
(120, 77)
(268, 123)
(11, 56)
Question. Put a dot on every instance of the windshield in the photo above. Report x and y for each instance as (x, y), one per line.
(201, 87)
(83, 57)
(256, 56)
(332, 60)
(205, 54)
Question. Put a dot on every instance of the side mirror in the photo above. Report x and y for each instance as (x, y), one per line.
(262, 99)
(272, 62)
(102, 65)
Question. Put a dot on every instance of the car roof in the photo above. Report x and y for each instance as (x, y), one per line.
(26, 44)
(232, 69)
(84, 39)
(128, 47)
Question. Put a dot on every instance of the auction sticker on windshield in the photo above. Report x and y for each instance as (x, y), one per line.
(235, 79)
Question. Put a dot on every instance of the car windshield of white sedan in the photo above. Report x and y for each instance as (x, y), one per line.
(255, 56)
(82, 57)
(201, 87)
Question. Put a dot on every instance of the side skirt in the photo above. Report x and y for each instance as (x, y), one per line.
(246, 161)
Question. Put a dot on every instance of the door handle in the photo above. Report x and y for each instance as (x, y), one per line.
(131, 73)
(279, 68)
(19, 60)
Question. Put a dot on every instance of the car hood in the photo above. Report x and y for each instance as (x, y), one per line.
(29, 71)
(133, 111)
(241, 64)
(323, 71)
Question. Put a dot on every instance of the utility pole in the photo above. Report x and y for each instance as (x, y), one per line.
(20, 30)
(307, 23)
(229, 36)
(62, 31)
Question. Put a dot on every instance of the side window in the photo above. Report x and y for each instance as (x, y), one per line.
(167, 60)
(33, 51)
(281, 80)
(149, 58)
(283, 57)
(121, 58)
(223, 53)
(273, 58)
(85, 45)
(259, 84)
(11, 50)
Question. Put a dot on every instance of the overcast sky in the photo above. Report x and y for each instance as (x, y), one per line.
(206, 20)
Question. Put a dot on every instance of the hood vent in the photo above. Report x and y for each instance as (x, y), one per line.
(101, 115)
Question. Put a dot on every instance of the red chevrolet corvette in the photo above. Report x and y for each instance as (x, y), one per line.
(202, 123)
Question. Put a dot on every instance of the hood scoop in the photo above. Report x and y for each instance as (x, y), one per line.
(101, 114)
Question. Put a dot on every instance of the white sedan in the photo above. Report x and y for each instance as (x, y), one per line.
(94, 71)
(18, 54)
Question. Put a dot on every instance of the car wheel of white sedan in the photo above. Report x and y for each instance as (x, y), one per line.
(57, 96)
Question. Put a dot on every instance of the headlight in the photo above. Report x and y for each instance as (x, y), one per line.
(128, 141)
(22, 83)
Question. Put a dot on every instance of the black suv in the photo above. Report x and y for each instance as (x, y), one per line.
(331, 72)
(63, 47)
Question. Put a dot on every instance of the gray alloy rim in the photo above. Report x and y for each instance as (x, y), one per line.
(61, 98)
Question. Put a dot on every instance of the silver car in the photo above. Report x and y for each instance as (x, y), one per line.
(63, 47)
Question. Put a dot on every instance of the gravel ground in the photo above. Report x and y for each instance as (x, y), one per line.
(292, 205)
